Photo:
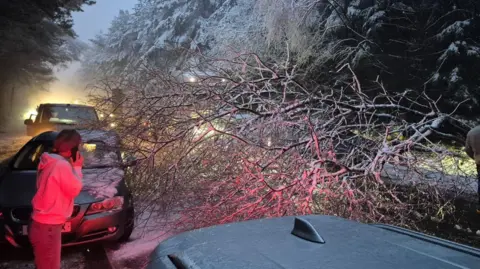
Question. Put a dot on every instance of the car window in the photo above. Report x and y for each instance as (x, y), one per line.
(99, 154)
(29, 156)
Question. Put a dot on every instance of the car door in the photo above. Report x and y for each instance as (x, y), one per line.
(18, 182)
(41, 123)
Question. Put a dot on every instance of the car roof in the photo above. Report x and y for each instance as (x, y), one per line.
(310, 242)
(66, 104)
(109, 137)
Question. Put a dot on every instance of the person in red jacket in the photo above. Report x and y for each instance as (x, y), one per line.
(59, 181)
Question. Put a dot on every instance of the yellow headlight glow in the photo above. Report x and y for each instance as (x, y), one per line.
(29, 113)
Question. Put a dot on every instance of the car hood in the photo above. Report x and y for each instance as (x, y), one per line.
(277, 243)
(17, 188)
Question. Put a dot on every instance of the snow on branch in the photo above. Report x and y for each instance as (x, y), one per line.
(250, 139)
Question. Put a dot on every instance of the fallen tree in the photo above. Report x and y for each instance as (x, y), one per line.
(250, 140)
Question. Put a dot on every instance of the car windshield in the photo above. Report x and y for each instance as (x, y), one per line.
(68, 114)
(99, 154)
(96, 155)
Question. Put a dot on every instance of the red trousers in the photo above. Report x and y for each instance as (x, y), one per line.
(46, 240)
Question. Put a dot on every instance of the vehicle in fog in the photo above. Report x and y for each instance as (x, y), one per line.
(55, 117)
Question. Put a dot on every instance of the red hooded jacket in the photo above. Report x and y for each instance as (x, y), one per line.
(58, 183)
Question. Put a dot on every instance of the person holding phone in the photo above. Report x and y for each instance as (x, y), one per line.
(59, 181)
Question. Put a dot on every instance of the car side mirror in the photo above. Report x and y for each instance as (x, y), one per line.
(28, 122)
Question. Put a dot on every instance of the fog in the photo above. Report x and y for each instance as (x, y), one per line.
(68, 87)
(87, 24)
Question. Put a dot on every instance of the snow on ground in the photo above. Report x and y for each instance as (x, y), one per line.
(135, 254)
(10, 144)
(151, 229)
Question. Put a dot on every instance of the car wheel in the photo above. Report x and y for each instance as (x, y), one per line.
(129, 225)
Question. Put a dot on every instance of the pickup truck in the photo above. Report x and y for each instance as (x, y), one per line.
(56, 117)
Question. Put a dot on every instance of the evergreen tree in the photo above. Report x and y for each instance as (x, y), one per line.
(35, 36)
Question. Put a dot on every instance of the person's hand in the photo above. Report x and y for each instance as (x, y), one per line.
(79, 161)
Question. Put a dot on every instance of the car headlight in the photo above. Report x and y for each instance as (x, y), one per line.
(111, 204)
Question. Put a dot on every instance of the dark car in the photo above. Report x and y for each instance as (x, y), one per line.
(102, 211)
(310, 242)
(55, 117)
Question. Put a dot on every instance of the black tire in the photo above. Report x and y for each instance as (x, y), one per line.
(129, 225)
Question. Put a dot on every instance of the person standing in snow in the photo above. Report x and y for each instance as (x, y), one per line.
(472, 148)
(59, 181)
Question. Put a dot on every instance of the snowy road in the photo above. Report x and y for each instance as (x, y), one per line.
(11, 143)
